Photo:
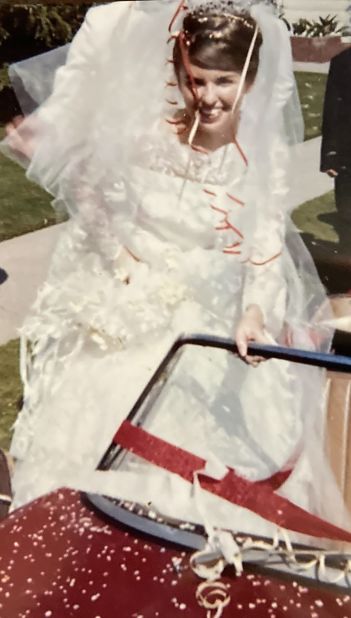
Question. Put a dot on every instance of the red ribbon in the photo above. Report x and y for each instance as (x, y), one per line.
(180, 8)
(258, 497)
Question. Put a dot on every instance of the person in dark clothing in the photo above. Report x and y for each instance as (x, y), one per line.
(336, 143)
(5, 485)
(3, 276)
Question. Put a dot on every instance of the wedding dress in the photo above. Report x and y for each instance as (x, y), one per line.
(164, 240)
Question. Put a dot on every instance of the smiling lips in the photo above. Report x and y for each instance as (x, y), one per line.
(210, 115)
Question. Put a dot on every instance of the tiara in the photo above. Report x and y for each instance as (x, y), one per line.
(239, 18)
(235, 10)
(218, 35)
(228, 7)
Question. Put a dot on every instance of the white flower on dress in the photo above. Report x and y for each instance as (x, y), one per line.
(172, 292)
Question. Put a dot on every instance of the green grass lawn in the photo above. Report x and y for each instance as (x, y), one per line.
(24, 207)
(10, 389)
(311, 87)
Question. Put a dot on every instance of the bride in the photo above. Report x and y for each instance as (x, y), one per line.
(166, 138)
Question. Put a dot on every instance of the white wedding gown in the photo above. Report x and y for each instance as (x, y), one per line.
(97, 340)
(173, 241)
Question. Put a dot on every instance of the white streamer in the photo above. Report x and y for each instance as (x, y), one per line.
(245, 70)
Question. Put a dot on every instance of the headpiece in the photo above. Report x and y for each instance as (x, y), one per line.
(225, 6)
(230, 9)
(202, 17)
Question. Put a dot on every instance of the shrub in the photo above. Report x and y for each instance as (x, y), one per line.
(324, 26)
(45, 25)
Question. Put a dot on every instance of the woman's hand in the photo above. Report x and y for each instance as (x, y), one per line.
(250, 328)
(21, 142)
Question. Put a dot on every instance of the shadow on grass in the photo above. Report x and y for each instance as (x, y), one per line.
(307, 218)
(326, 236)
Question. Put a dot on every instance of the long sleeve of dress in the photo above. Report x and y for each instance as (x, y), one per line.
(264, 280)
(265, 286)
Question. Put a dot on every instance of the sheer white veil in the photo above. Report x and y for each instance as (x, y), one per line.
(118, 84)
(271, 108)
(112, 92)
(33, 79)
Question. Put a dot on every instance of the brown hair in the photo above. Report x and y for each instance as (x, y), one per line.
(219, 41)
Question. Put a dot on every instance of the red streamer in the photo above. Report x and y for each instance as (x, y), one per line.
(181, 7)
(258, 497)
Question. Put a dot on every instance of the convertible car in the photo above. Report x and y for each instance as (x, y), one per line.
(69, 554)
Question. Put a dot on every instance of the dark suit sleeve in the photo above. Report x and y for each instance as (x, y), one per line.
(331, 120)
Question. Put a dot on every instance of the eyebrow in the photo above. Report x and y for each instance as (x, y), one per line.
(222, 79)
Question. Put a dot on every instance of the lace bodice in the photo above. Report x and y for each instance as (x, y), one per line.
(163, 152)
(181, 217)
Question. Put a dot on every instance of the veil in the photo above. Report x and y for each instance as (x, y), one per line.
(101, 102)
(96, 110)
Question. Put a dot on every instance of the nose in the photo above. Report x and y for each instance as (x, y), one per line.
(207, 95)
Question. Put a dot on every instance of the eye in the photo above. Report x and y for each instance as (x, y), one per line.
(196, 81)
(223, 81)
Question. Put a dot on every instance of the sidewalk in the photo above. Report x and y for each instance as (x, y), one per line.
(306, 181)
(26, 258)
(312, 67)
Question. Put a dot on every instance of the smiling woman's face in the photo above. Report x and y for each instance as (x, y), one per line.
(216, 92)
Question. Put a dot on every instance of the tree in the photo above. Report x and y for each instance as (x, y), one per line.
(45, 25)
(27, 29)
(30, 28)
